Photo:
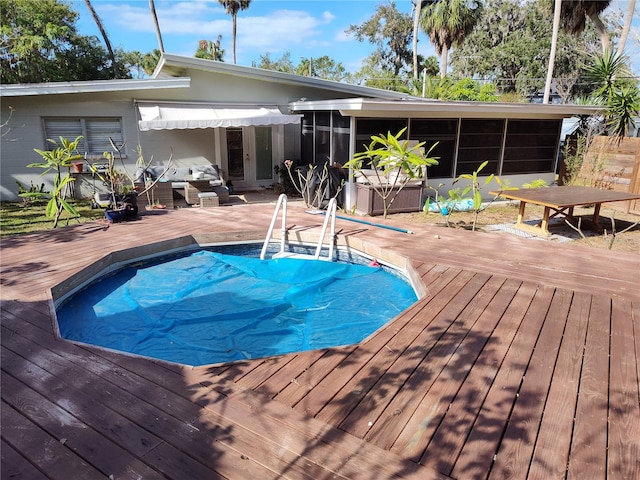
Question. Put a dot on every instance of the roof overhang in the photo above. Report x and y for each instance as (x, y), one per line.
(414, 107)
(182, 116)
(91, 86)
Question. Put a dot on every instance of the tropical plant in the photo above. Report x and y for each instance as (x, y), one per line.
(621, 98)
(389, 163)
(448, 22)
(574, 17)
(210, 50)
(56, 160)
(31, 194)
(475, 188)
(310, 184)
(232, 7)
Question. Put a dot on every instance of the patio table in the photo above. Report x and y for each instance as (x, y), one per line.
(562, 201)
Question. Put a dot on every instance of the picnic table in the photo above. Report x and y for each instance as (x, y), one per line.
(562, 201)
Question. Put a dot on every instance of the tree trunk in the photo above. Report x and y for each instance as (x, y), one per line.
(157, 25)
(444, 61)
(552, 54)
(602, 30)
(416, 29)
(103, 32)
(233, 33)
(627, 27)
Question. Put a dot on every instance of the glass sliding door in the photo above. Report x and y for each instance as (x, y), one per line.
(235, 154)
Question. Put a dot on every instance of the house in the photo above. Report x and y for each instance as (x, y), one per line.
(248, 120)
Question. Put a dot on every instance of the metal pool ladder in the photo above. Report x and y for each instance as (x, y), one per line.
(330, 216)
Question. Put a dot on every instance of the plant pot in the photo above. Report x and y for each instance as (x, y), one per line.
(115, 216)
(78, 167)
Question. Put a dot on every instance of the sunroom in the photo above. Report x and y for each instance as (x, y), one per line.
(520, 142)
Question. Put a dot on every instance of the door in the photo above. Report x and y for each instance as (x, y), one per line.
(235, 155)
(250, 154)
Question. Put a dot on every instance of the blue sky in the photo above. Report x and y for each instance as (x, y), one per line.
(305, 28)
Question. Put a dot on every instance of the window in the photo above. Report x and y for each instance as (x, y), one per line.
(530, 146)
(95, 132)
(444, 131)
(480, 141)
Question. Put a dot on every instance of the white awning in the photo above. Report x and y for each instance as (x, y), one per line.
(187, 116)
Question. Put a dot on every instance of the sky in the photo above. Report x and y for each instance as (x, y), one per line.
(305, 28)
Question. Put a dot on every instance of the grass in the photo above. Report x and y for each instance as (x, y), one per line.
(17, 218)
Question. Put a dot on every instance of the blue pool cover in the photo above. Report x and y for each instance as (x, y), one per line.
(210, 307)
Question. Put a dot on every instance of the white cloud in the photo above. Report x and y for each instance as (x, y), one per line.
(278, 31)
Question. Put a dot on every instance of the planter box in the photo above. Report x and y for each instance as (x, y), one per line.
(369, 202)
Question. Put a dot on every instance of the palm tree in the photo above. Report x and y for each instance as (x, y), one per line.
(210, 50)
(103, 32)
(150, 61)
(554, 43)
(447, 23)
(157, 25)
(232, 7)
(627, 26)
(416, 29)
(574, 15)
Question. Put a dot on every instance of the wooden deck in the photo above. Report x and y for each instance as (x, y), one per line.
(522, 361)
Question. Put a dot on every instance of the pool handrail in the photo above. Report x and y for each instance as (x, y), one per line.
(330, 216)
(282, 203)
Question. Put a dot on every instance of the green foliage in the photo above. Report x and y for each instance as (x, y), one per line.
(475, 188)
(210, 50)
(283, 64)
(56, 160)
(391, 32)
(510, 46)
(321, 67)
(41, 44)
(608, 77)
(32, 194)
(538, 183)
(394, 162)
(469, 90)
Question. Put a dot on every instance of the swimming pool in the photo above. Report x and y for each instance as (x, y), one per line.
(207, 307)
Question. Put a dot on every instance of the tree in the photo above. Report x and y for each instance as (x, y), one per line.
(510, 47)
(448, 22)
(232, 8)
(574, 15)
(103, 32)
(283, 64)
(210, 50)
(152, 7)
(391, 31)
(627, 26)
(39, 43)
(150, 61)
(417, 10)
(321, 67)
(554, 44)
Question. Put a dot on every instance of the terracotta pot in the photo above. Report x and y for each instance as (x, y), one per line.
(78, 167)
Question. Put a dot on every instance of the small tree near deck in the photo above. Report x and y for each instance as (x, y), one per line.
(56, 160)
(393, 163)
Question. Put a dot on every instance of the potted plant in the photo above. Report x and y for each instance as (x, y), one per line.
(387, 166)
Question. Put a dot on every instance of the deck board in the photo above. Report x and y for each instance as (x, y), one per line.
(521, 361)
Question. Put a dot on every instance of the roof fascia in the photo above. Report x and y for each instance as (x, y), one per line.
(410, 107)
(92, 86)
